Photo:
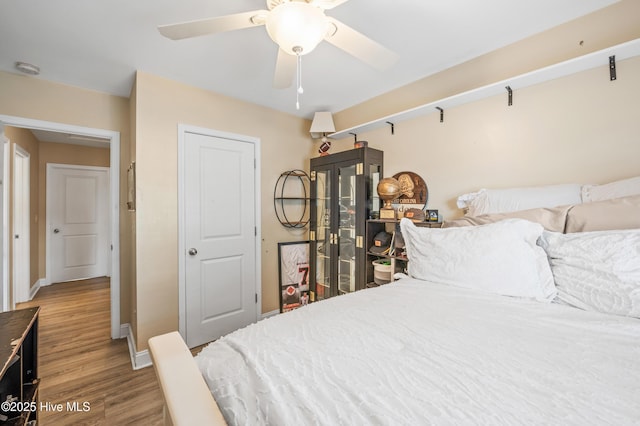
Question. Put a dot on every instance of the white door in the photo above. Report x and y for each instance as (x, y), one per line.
(77, 222)
(21, 228)
(219, 236)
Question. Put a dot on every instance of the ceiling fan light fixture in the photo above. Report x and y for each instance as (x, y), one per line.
(297, 27)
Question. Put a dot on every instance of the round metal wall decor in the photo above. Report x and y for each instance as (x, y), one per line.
(291, 197)
(413, 189)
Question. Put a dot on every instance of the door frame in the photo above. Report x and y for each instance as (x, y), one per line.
(182, 250)
(20, 260)
(7, 303)
(49, 196)
(114, 198)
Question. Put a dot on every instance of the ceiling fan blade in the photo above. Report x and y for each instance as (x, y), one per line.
(285, 70)
(327, 4)
(213, 25)
(360, 46)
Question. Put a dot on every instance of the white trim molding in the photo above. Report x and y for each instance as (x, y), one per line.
(36, 287)
(140, 359)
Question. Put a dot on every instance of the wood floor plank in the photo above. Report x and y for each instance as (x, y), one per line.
(79, 362)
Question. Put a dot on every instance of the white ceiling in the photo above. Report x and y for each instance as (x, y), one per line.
(99, 44)
(70, 138)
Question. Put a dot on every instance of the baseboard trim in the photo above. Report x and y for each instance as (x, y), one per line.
(269, 314)
(124, 331)
(35, 288)
(140, 359)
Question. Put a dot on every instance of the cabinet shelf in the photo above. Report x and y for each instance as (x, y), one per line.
(592, 60)
(423, 223)
(398, 263)
(386, 256)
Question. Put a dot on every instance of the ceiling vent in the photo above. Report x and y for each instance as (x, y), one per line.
(27, 68)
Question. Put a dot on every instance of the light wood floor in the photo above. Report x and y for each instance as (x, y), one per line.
(78, 360)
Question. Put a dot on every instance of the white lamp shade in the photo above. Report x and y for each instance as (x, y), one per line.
(296, 24)
(322, 123)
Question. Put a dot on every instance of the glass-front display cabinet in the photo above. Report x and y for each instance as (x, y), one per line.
(343, 195)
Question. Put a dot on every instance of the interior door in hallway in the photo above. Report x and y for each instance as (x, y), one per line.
(77, 222)
(21, 225)
(219, 236)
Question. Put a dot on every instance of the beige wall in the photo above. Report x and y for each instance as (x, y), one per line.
(160, 106)
(581, 128)
(607, 27)
(130, 224)
(38, 99)
(29, 143)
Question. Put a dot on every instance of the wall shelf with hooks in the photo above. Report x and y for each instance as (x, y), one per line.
(621, 51)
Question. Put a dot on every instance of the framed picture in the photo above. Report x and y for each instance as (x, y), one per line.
(293, 270)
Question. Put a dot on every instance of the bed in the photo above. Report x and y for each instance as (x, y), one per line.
(500, 322)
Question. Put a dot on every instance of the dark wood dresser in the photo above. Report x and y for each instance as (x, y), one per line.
(19, 377)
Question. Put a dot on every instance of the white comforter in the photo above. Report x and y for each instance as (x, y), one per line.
(413, 353)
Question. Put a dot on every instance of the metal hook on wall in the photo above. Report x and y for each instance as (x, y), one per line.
(355, 137)
(612, 68)
(510, 96)
(392, 127)
(441, 114)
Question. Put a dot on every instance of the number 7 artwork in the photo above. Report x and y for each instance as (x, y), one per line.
(293, 269)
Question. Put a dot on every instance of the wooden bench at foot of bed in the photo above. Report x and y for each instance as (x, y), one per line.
(187, 399)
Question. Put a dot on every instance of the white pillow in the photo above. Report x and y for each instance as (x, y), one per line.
(500, 257)
(597, 271)
(513, 199)
(617, 189)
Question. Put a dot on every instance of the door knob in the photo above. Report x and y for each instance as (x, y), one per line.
(55, 231)
(193, 251)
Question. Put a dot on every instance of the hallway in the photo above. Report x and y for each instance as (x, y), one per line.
(78, 360)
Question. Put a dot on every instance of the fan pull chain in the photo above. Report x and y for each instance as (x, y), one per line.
(299, 90)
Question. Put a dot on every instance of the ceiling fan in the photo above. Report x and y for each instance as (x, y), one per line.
(297, 26)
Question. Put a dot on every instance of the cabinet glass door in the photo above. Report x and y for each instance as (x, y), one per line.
(347, 229)
(373, 198)
(323, 234)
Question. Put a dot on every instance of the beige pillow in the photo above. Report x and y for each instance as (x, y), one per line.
(617, 213)
(551, 218)
(617, 189)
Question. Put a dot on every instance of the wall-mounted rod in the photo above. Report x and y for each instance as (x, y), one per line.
(510, 96)
(355, 137)
(393, 132)
(612, 67)
(441, 114)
